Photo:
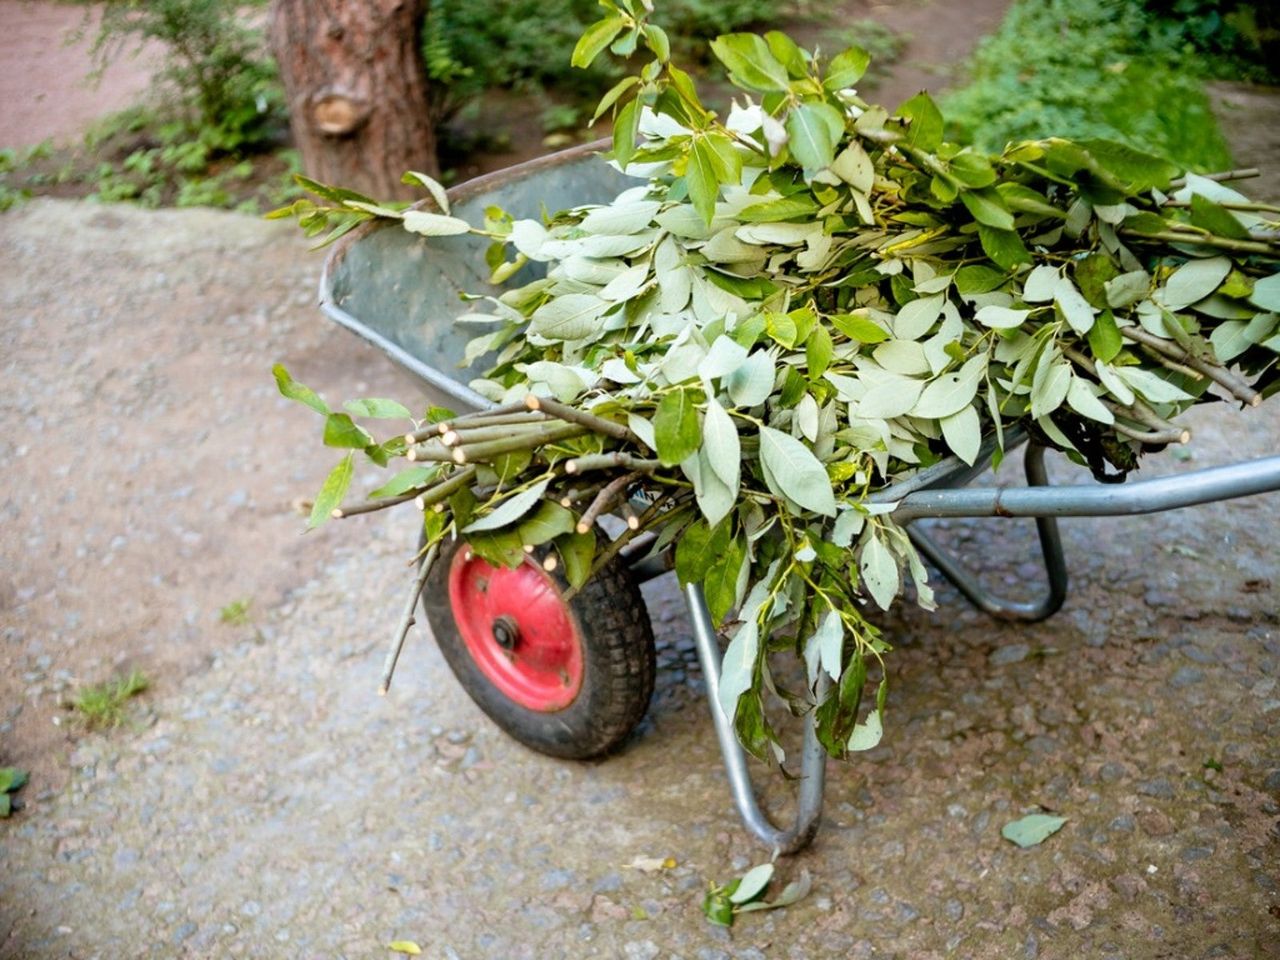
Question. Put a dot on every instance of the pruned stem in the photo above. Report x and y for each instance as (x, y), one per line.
(1229, 205)
(1215, 372)
(604, 499)
(372, 505)
(528, 440)
(462, 433)
(407, 619)
(431, 451)
(442, 491)
(1204, 240)
(1169, 433)
(1244, 173)
(1173, 365)
(574, 415)
(604, 461)
(1138, 411)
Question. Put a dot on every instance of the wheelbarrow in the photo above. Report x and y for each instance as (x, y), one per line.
(571, 679)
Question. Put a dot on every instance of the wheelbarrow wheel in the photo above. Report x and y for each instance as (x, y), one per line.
(568, 679)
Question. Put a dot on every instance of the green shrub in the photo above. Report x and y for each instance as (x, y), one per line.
(471, 46)
(1087, 68)
(216, 71)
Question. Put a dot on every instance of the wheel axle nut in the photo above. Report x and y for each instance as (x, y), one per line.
(506, 632)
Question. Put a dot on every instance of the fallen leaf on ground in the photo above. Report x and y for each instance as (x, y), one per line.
(1032, 829)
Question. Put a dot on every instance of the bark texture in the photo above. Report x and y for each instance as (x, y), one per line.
(357, 91)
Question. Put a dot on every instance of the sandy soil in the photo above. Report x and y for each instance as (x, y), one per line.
(44, 90)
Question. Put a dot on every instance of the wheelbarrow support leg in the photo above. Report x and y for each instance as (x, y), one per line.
(813, 757)
(1055, 564)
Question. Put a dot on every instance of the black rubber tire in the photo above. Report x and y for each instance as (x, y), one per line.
(618, 666)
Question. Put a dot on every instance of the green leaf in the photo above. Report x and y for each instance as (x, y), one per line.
(293, 390)
(1127, 289)
(11, 779)
(977, 278)
(675, 427)
(1266, 293)
(923, 126)
(750, 62)
(510, 510)
(578, 551)
(573, 316)
(1137, 170)
(1105, 340)
(700, 548)
(594, 39)
(614, 94)
(717, 908)
(810, 135)
(987, 207)
(656, 39)
(779, 209)
(963, 433)
(752, 883)
(1005, 247)
(404, 481)
(1216, 219)
(879, 571)
(1001, 318)
(859, 328)
(341, 431)
(818, 351)
(331, 492)
(867, 734)
(6, 806)
(721, 445)
(846, 69)
(502, 548)
(720, 584)
(434, 224)
(751, 384)
(792, 471)
(1023, 199)
(1195, 280)
(378, 409)
(1032, 829)
(626, 127)
(951, 392)
(432, 186)
(700, 176)
(1074, 307)
(546, 523)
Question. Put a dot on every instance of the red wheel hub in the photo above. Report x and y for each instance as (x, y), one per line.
(519, 632)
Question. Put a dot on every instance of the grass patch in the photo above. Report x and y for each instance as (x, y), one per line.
(102, 705)
(236, 613)
(1083, 69)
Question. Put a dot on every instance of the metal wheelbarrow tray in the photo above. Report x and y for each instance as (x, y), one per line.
(401, 293)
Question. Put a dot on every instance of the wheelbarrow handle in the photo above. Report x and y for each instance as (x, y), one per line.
(1148, 496)
(813, 767)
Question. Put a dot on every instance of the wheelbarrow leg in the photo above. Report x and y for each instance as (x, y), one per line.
(813, 756)
(1055, 564)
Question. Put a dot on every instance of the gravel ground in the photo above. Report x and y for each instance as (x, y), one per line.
(264, 802)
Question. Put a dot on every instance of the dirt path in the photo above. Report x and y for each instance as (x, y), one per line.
(44, 93)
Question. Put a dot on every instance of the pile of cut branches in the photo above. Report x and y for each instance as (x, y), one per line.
(795, 308)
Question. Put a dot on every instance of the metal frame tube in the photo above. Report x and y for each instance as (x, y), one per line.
(1148, 496)
(813, 766)
(1055, 563)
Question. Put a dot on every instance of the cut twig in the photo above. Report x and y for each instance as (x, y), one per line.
(1204, 240)
(578, 494)
(431, 451)
(407, 619)
(442, 491)
(605, 461)
(1243, 173)
(1215, 372)
(372, 505)
(528, 440)
(574, 415)
(1174, 434)
(604, 499)
(1228, 205)
(462, 433)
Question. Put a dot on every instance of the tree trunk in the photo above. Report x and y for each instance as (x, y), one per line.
(357, 91)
